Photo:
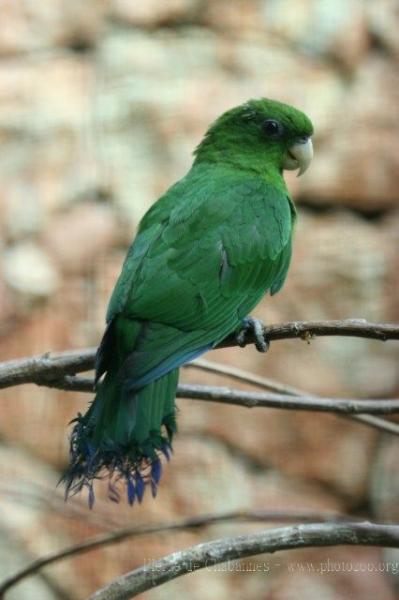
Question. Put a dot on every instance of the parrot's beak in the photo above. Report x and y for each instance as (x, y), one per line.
(299, 156)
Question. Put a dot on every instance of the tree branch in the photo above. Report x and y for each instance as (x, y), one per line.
(346, 406)
(272, 540)
(182, 525)
(44, 369)
(306, 330)
(276, 386)
(381, 424)
(57, 371)
(244, 376)
(225, 395)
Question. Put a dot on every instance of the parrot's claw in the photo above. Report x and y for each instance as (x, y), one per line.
(255, 327)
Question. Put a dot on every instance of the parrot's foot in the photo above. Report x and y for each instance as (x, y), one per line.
(254, 327)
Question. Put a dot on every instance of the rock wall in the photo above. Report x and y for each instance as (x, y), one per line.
(101, 105)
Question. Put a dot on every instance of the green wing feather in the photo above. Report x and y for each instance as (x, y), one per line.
(204, 256)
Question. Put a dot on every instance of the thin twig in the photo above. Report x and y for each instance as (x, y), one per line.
(71, 383)
(114, 537)
(270, 384)
(226, 395)
(47, 368)
(244, 376)
(272, 540)
(306, 330)
(57, 370)
(377, 423)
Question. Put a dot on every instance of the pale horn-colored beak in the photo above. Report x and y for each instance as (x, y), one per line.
(299, 156)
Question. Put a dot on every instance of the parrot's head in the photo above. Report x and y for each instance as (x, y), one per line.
(260, 135)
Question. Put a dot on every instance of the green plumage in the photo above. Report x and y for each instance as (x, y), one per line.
(204, 256)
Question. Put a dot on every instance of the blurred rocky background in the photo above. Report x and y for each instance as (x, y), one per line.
(101, 105)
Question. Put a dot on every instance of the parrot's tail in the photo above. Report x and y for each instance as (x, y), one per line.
(122, 436)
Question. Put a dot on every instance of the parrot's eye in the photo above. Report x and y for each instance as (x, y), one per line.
(272, 128)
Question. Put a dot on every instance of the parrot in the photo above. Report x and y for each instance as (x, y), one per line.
(205, 254)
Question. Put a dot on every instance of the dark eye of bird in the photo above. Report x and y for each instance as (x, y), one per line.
(272, 128)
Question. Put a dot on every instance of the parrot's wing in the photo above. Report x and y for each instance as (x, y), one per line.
(204, 256)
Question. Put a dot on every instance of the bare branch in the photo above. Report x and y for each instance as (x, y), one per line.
(183, 525)
(382, 424)
(49, 371)
(57, 370)
(71, 383)
(276, 386)
(244, 376)
(272, 540)
(306, 330)
(226, 395)
(47, 368)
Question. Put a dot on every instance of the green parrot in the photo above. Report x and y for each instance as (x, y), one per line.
(204, 255)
